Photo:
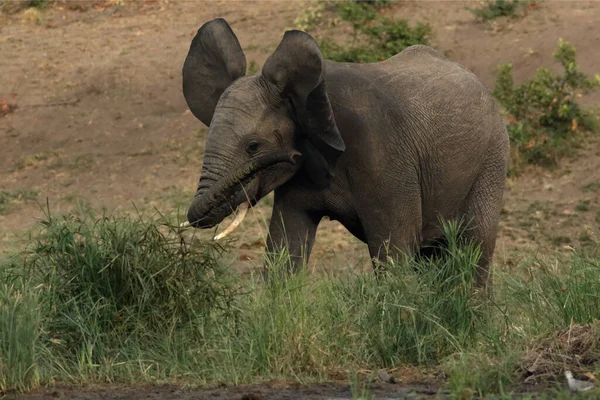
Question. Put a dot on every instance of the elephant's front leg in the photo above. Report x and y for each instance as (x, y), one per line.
(291, 235)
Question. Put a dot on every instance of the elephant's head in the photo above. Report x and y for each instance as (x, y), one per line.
(263, 129)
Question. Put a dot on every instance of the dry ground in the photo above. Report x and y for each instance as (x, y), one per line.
(95, 113)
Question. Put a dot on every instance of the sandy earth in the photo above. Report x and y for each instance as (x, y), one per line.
(265, 391)
(95, 114)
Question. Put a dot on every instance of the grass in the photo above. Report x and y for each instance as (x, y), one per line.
(9, 198)
(106, 298)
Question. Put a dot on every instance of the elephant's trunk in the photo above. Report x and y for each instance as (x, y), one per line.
(212, 205)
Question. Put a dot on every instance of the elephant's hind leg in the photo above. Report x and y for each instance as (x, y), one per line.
(482, 212)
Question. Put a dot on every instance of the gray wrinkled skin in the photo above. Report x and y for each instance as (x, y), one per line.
(386, 148)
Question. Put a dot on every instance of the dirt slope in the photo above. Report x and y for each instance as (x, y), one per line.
(100, 117)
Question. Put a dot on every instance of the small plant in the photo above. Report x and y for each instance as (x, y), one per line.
(11, 6)
(479, 374)
(7, 199)
(252, 68)
(310, 16)
(38, 3)
(544, 114)
(493, 9)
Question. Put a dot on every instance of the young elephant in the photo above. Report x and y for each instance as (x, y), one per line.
(385, 148)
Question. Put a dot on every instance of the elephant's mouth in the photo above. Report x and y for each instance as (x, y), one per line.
(224, 206)
(213, 205)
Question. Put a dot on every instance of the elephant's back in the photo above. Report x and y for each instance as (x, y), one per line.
(437, 113)
(420, 82)
(445, 101)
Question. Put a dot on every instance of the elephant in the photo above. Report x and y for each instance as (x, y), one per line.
(388, 149)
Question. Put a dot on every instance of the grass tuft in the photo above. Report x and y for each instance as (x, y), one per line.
(9, 198)
(111, 290)
(557, 293)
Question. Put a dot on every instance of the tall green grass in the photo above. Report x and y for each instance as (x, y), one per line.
(556, 292)
(127, 298)
(20, 328)
(548, 314)
(111, 298)
(105, 298)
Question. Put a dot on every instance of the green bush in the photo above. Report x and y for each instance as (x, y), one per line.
(384, 39)
(310, 16)
(544, 114)
(349, 10)
(493, 9)
(375, 38)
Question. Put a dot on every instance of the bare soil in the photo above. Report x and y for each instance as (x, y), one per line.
(276, 391)
(94, 114)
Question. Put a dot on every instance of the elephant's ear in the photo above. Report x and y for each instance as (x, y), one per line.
(215, 59)
(297, 69)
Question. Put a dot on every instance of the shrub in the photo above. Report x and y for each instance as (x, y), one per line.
(348, 10)
(310, 16)
(374, 38)
(544, 114)
(381, 37)
(493, 9)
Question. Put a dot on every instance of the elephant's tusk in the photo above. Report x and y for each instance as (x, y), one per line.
(184, 224)
(242, 210)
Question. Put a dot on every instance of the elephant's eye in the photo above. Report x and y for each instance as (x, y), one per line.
(253, 147)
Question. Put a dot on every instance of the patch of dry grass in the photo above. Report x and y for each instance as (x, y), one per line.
(576, 348)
